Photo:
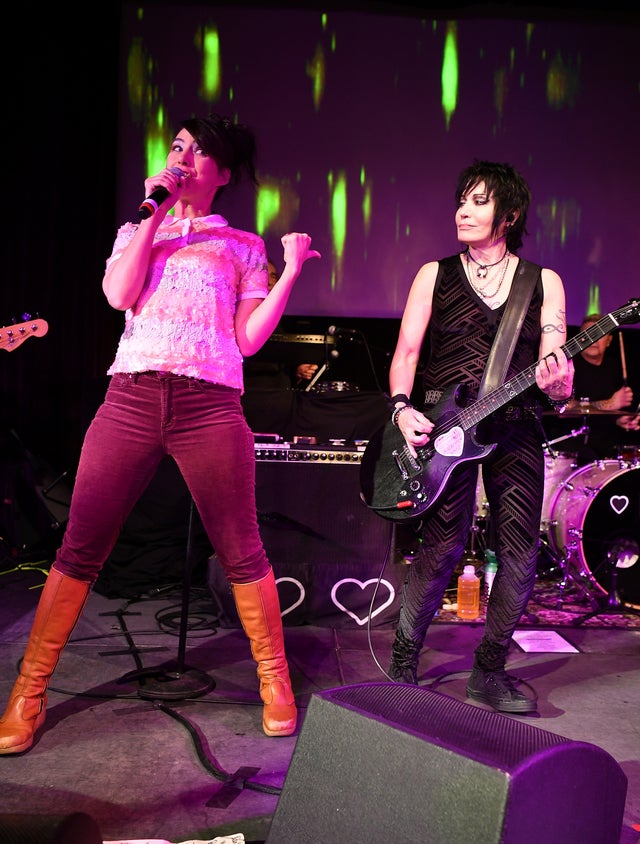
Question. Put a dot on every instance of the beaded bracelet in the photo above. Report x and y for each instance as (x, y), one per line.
(397, 412)
(559, 405)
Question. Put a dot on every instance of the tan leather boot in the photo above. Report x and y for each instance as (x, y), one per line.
(259, 610)
(61, 603)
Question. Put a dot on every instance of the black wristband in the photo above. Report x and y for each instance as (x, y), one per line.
(399, 397)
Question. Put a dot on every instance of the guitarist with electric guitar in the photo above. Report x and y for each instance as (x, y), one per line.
(457, 304)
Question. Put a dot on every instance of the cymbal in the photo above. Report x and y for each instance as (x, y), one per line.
(576, 414)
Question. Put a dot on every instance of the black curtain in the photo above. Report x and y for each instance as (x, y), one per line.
(59, 177)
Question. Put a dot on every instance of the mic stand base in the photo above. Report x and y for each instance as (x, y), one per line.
(171, 683)
(175, 681)
(612, 605)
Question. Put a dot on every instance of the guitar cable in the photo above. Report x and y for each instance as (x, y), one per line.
(391, 545)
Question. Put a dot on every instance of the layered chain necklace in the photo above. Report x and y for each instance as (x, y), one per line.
(482, 272)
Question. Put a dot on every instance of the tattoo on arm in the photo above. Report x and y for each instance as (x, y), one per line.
(560, 327)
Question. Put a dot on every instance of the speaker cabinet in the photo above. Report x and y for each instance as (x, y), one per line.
(326, 547)
(391, 762)
(75, 828)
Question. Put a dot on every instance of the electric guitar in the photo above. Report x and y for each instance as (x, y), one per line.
(13, 335)
(398, 486)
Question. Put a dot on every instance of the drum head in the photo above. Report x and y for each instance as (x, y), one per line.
(597, 518)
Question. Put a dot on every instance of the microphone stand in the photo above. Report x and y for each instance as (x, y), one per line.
(176, 681)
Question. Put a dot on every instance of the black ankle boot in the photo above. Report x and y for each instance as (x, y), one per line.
(498, 689)
(404, 660)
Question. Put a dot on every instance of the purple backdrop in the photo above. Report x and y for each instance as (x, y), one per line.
(355, 100)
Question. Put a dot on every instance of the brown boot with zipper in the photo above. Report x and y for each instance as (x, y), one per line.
(61, 604)
(259, 610)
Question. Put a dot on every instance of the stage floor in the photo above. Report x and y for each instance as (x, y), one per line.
(143, 765)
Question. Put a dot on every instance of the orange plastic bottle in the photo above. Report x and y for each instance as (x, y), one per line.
(468, 594)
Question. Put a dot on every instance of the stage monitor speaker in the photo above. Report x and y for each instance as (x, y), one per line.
(392, 762)
(326, 547)
(75, 828)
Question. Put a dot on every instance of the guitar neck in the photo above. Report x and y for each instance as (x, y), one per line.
(494, 400)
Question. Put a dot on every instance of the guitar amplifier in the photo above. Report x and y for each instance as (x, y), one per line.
(330, 455)
(327, 548)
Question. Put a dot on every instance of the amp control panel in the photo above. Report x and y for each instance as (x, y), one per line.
(294, 453)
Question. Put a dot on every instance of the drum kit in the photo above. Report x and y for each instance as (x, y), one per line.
(589, 528)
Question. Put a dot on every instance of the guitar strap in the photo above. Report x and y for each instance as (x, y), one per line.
(506, 338)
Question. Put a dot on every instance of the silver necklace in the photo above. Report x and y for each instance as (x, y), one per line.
(481, 291)
(481, 270)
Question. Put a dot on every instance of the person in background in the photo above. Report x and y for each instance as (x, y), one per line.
(304, 372)
(273, 276)
(460, 300)
(267, 374)
(599, 381)
(196, 301)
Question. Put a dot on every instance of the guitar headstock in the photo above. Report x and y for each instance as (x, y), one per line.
(628, 313)
(12, 336)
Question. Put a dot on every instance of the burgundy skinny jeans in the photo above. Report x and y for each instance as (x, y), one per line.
(144, 417)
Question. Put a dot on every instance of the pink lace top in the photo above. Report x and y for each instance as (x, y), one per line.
(183, 321)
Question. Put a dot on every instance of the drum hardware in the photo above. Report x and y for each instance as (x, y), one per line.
(477, 533)
(616, 557)
(558, 467)
(593, 520)
(574, 575)
(477, 537)
(577, 432)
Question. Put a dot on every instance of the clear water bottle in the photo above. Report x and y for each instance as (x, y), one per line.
(490, 569)
(468, 594)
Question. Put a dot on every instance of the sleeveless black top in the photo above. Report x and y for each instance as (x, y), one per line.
(462, 329)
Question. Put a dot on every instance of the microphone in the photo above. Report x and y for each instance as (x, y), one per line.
(157, 197)
(335, 329)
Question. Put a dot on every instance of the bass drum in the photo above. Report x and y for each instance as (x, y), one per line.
(595, 518)
(558, 466)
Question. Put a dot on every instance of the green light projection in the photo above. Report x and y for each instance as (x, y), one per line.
(563, 83)
(367, 201)
(267, 207)
(316, 71)
(449, 75)
(211, 64)
(338, 223)
(157, 144)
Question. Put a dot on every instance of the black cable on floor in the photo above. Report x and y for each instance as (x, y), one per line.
(217, 772)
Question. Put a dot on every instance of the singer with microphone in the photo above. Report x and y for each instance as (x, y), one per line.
(195, 298)
(159, 193)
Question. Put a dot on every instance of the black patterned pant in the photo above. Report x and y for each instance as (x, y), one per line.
(513, 477)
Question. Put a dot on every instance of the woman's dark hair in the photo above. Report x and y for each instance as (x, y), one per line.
(510, 193)
(232, 145)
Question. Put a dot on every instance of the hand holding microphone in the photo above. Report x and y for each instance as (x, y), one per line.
(157, 196)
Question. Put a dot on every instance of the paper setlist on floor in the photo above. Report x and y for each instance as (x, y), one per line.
(543, 641)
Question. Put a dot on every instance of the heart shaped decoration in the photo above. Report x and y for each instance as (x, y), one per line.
(298, 600)
(451, 443)
(363, 585)
(619, 503)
